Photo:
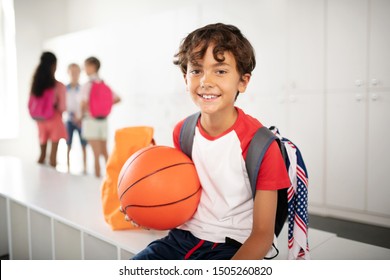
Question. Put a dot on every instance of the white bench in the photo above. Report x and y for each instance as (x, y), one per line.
(50, 215)
(45, 214)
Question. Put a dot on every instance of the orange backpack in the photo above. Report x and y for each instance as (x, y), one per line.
(127, 141)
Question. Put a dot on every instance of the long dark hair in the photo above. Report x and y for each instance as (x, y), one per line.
(44, 74)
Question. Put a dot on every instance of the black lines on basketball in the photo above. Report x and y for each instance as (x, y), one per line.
(152, 173)
(165, 204)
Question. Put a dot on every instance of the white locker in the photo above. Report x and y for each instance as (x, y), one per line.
(378, 182)
(346, 25)
(305, 88)
(346, 103)
(379, 44)
(345, 151)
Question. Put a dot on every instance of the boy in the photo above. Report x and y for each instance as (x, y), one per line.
(217, 62)
(94, 129)
(73, 123)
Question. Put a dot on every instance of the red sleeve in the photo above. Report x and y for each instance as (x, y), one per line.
(273, 174)
(176, 134)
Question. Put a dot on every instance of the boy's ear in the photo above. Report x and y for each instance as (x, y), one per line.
(244, 81)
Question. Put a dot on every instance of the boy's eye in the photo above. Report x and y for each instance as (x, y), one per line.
(194, 72)
(221, 72)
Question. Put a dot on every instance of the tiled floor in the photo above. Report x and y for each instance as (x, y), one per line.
(374, 235)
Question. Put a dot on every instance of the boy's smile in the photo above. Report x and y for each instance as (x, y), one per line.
(209, 96)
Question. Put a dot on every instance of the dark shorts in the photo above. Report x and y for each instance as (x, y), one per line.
(71, 127)
(183, 245)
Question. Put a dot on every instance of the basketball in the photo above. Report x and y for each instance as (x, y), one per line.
(159, 188)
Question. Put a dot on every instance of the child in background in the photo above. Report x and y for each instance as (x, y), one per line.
(73, 107)
(52, 129)
(94, 129)
(217, 62)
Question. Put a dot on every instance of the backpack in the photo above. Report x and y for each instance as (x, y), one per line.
(127, 141)
(288, 205)
(42, 107)
(100, 100)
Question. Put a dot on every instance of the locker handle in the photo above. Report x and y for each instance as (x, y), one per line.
(292, 98)
(358, 83)
(359, 97)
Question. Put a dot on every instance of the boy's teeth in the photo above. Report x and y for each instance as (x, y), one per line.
(209, 96)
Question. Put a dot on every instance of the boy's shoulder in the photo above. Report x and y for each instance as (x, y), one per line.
(248, 121)
(246, 127)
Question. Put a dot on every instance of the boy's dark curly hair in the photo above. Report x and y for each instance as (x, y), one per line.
(224, 38)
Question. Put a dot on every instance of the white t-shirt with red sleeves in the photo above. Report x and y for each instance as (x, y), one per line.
(226, 204)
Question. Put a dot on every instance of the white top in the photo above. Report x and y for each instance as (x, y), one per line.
(223, 211)
(73, 101)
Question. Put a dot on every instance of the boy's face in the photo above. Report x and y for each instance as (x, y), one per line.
(213, 85)
(74, 73)
(90, 69)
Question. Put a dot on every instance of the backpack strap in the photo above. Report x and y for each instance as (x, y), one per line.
(259, 145)
(256, 151)
(187, 132)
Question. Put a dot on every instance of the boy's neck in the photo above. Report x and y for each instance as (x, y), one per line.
(216, 124)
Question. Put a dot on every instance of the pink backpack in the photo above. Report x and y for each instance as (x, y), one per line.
(42, 107)
(100, 100)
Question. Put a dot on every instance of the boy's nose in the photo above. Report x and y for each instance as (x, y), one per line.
(206, 82)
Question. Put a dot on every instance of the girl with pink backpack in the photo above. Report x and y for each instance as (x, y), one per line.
(46, 104)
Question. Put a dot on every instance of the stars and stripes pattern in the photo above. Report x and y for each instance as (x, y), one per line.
(298, 247)
(297, 196)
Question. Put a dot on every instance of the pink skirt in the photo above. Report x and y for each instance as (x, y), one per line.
(52, 129)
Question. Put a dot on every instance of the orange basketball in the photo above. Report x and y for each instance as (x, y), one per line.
(159, 188)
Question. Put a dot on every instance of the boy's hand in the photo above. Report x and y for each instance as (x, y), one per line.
(77, 121)
(127, 218)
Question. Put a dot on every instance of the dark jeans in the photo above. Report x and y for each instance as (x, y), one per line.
(71, 127)
(181, 245)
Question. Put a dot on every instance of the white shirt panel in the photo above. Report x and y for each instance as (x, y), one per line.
(73, 100)
(226, 204)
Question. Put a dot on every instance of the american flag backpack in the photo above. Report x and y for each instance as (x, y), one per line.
(292, 202)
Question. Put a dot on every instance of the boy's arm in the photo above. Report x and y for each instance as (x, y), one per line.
(260, 240)
(84, 107)
(116, 99)
(84, 92)
(176, 134)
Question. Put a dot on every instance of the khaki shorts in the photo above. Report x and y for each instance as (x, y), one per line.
(94, 129)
